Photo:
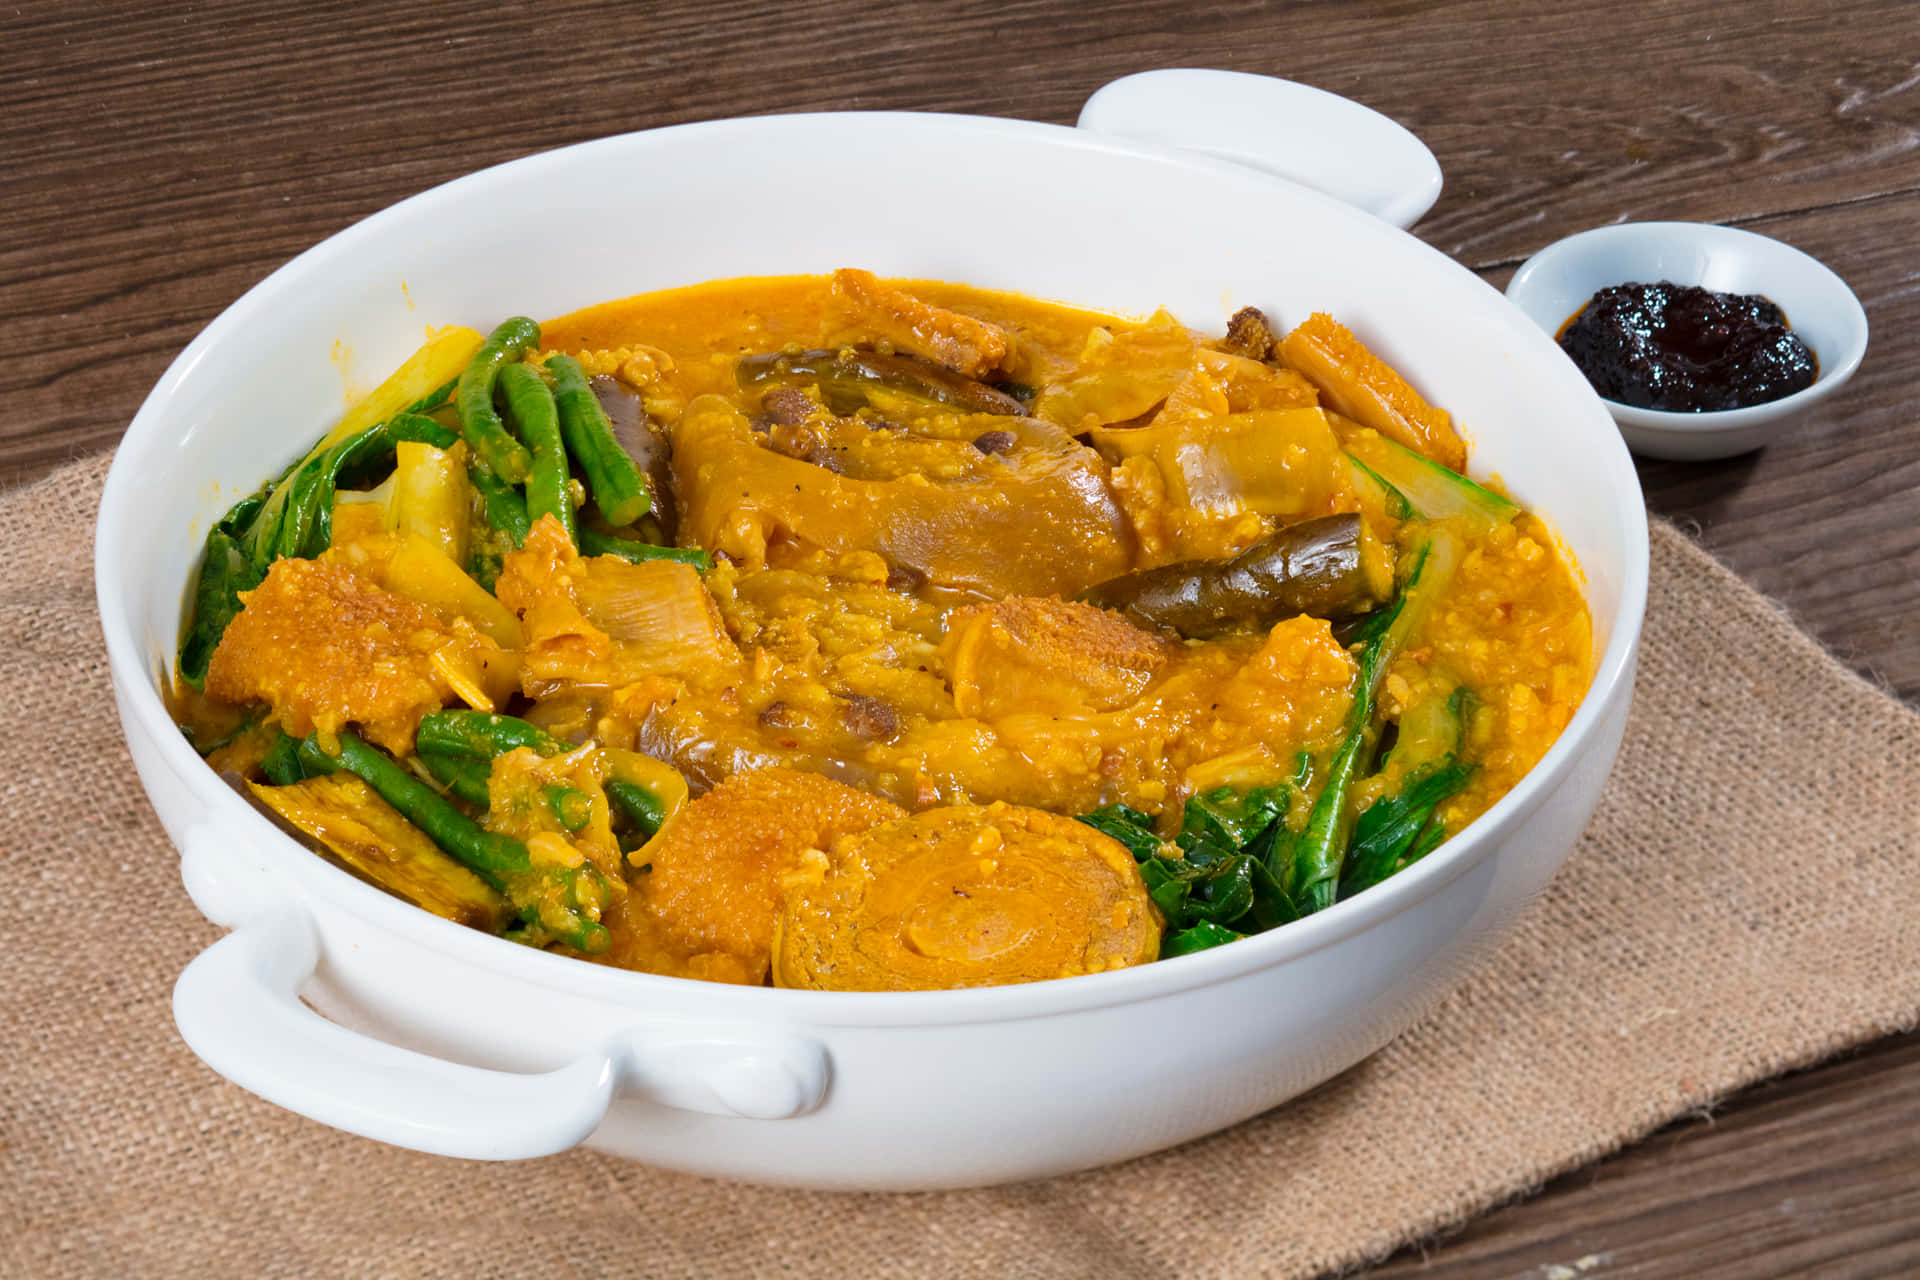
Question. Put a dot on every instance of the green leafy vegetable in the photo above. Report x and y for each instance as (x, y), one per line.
(1129, 826)
(1435, 492)
(293, 516)
(1197, 938)
(1430, 753)
(1239, 866)
(1214, 872)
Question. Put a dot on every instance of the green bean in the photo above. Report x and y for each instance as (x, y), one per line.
(614, 480)
(281, 764)
(562, 902)
(595, 543)
(506, 509)
(639, 804)
(464, 777)
(313, 760)
(479, 423)
(507, 524)
(530, 405)
(480, 735)
(571, 807)
(491, 854)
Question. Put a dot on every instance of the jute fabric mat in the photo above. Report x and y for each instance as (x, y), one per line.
(1746, 901)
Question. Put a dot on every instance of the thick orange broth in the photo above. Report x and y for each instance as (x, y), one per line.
(891, 624)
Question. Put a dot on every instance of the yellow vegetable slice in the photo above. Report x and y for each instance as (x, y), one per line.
(431, 495)
(1122, 374)
(421, 571)
(426, 371)
(374, 840)
(1278, 462)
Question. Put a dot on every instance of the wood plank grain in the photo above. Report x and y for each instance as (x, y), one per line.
(196, 148)
(160, 160)
(1815, 1174)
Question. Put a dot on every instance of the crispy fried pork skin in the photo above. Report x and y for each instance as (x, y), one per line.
(325, 647)
(1362, 386)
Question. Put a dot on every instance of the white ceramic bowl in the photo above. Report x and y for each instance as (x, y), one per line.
(1556, 282)
(449, 1040)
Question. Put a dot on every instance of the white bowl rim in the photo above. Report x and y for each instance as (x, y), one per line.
(1710, 422)
(1201, 109)
(1613, 668)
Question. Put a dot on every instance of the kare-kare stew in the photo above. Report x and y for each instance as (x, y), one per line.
(853, 634)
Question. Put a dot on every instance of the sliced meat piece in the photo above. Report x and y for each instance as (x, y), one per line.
(1039, 520)
(1035, 655)
(1248, 334)
(786, 405)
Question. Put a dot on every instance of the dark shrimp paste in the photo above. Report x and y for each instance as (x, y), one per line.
(1681, 347)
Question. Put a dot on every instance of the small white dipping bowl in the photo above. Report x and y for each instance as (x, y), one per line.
(1556, 282)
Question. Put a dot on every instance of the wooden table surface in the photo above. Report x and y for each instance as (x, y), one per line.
(160, 160)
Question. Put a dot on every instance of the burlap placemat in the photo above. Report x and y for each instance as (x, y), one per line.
(1746, 901)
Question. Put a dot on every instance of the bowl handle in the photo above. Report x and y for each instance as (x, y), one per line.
(237, 1006)
(1319, 139)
